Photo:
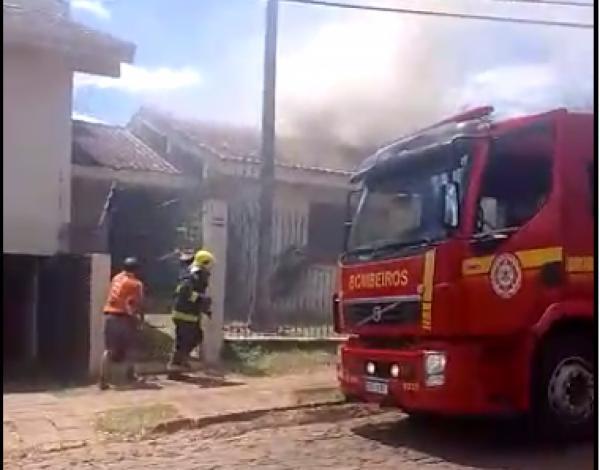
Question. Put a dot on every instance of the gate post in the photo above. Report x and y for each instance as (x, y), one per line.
(214, 226)
(99, 285)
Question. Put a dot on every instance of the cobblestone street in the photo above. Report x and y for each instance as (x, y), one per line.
(334, 437)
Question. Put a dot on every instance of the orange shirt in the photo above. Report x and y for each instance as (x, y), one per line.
(126, 294)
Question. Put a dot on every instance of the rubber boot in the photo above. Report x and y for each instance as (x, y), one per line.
(174, 368)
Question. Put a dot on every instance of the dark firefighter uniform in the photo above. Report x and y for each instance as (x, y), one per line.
(189, 303)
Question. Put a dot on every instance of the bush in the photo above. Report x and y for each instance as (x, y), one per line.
(256, 360)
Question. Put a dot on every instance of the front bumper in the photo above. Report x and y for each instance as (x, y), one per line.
(470, 386)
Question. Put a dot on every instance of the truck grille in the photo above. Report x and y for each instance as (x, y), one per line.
(362, 314)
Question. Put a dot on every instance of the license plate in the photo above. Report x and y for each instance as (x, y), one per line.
(380, 388)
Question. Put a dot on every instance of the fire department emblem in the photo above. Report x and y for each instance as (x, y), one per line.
(506, 275)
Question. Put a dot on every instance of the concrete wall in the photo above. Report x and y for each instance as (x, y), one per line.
(36, 151)
(215, 240)
(99, 285)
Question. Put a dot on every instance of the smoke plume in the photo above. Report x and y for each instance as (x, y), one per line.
(365, 78)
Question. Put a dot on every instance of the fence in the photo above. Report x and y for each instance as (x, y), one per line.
(301, 291)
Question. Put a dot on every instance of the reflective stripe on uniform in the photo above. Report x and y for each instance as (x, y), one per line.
(185, 316)
(194, 296)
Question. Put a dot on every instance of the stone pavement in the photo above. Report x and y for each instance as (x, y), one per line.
(66, 419)
(335, 437)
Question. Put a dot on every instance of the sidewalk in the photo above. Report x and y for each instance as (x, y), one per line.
(54, 421)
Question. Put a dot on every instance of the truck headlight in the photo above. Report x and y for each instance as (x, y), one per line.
(435, 368)
(395, 371)
(435, 363)
(370, 368)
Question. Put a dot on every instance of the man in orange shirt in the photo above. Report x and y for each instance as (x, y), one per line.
(122, 306)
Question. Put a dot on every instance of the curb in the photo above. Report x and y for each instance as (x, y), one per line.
(181, 424)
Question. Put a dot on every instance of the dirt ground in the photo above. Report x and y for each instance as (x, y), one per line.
(332, 437)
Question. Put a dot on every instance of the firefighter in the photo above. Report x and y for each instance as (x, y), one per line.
(190, 302)
(121, 310)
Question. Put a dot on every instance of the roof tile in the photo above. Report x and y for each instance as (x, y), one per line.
(116, 148)
(238, 144)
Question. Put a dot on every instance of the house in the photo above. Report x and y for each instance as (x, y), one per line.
(127, 201)
(46, 288)
(308, 219)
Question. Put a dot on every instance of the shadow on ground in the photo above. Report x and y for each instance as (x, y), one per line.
(205, 381)
(479, 443)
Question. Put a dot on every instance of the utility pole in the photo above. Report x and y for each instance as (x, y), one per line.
(262, 295)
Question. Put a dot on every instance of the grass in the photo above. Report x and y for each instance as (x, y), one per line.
(135, 420)
(240, 357)
(254, 360)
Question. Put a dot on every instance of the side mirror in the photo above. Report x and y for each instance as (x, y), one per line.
(451, 205)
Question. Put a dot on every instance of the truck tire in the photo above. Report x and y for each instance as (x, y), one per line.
(563, 398)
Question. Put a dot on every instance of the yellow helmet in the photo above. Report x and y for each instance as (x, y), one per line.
(203, 259)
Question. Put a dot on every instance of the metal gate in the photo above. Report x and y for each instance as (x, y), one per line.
(300, 294)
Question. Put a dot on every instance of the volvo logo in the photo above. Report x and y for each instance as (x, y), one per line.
(377, 313)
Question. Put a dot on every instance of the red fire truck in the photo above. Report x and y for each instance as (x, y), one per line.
(466, 285)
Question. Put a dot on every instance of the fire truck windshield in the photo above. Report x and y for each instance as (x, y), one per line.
(401, 210)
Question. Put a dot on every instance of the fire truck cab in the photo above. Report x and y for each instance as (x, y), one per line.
(466, 285)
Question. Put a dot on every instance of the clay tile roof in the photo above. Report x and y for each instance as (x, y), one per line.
(235, 143)
(116, 148)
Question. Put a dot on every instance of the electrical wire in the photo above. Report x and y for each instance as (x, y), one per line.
(501, 19)
(560, 3)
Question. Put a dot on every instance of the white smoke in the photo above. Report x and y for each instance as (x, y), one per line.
(364, 78)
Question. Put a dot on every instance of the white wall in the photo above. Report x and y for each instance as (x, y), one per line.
(99, 285)
(215, 240)
(36, 151)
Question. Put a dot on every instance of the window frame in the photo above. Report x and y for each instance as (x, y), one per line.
(491, 154)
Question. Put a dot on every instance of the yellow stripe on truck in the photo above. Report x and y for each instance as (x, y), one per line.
(580, 264)
(528, 258)
(473, 266)
(427, 297)
(539, 257)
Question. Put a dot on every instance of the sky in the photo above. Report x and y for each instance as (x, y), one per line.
(359, 75)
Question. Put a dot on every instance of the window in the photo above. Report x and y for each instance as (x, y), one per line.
(325, 232)
(514, 189)
(404, 207)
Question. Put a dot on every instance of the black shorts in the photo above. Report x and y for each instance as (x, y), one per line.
(119, 331)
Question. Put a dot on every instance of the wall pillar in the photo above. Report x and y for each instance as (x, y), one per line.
(214, 226)
(99, 285)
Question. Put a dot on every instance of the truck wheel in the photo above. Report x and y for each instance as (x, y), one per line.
(564, 390)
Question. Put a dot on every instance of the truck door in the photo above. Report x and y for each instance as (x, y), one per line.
(514, 236)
